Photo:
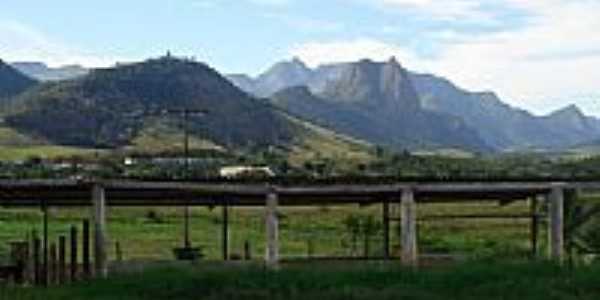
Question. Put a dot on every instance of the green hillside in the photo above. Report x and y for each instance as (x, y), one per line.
(12, 82)
(109, 107)
(137, 108)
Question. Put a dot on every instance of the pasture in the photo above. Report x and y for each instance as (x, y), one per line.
(149, 233)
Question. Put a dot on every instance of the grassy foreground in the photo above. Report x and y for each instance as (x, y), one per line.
(374, 281)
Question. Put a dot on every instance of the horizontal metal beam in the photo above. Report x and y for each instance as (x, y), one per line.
(479, 216)
(174, 193)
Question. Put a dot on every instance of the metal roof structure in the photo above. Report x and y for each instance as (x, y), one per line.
(23, 193)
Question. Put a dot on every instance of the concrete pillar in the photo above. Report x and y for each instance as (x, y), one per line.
(408, 211)
(99, 202)
(272, 249)
(556, 230)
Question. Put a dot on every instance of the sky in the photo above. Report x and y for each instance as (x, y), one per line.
(539, 55)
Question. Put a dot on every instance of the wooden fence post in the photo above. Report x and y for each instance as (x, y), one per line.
(73, 253)
(85, 240)
(62, 263)
(19, 253)
(45, 265)
(53, 264)
(36, 260)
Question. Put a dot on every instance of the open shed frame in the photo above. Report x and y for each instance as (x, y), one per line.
(128, 193)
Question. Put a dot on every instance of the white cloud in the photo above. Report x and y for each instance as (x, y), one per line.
(305, 24)
(556, 57)
(450, 10)
(23, 43)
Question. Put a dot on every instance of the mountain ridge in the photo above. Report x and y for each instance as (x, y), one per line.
(377, 102)
(109, 106)
(501, 126)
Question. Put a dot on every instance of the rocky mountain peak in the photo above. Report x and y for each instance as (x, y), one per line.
(571, 111)
(282, 75)
(393, 61)
(378, 85)
(298, 62)
(294, 65)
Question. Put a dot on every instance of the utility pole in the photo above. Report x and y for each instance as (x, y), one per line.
(185, 113)
(186, 169)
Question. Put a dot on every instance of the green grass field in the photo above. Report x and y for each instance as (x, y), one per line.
(151, 233)
(18, 146)
(475, 280)
(10, 153)
(495, 268)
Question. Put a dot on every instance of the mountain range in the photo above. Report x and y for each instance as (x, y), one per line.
(377, 102)
(380, 103)
(428, 109)
(110, 107)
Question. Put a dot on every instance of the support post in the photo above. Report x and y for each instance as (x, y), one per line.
(272, 250)
(225, 232)
(386, 229)
(19, 254)
(100, 263)
(53, 264)
(45, 265)
(36, 260)
(409, 228)
(556, 202)
(85, 249)
(73, 261)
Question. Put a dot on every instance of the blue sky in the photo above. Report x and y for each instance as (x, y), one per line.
(537, 54)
